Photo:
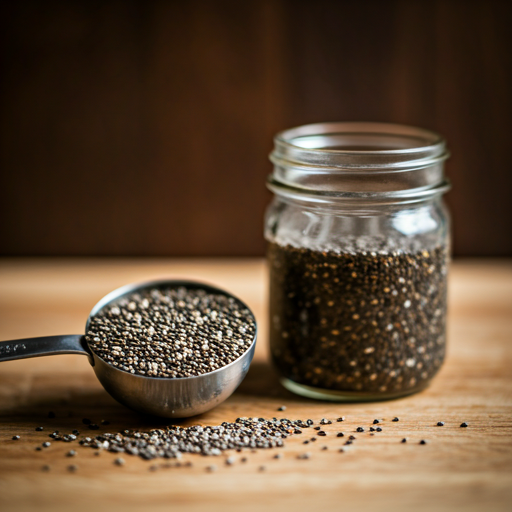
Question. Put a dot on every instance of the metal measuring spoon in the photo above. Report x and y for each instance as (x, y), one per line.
(168, 397)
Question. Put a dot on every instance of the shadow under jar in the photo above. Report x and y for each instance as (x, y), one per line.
(358, 252)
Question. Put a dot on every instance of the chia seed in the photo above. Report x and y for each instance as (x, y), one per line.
(172, 332)
(464, 425)
(172, 442)
(440, 423)
(370, 322)
(39, 429)
(395, 419)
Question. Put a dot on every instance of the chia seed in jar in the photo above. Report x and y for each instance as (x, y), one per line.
(358, 251)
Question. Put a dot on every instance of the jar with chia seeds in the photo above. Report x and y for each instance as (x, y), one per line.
(358, 252)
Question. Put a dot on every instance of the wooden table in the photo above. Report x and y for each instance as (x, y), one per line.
(459, 469)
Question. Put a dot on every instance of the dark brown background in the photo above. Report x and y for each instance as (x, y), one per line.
(143, 127)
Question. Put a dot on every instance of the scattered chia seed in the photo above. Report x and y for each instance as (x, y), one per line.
(278, 456)
(96, 453)
(72, 468)
(119, 461)
(313, 439)
(354, 321)
(360, 429)
(172, 332)
(340, 434)
(378, 429)
(440, 423)
(305, 442)
(395, 419)
(45, 468)
(376, 421)
(76, 432)
(303, 456)
(38, 448)
(341, 419)
(348, 442)
(282, 408)
(351, 437)
(211, 468)
(254, 433)
(39, 429)
(325, 447)
(423, 441)
(404, 440)
(230, 461)
(321, 433)
(262, 468)
(317, 428)
(323, 421)
(464, 425)
(46, 444)
(16, 438)
(71, 453)
(372, 429)
(243, 459)
(341, 450)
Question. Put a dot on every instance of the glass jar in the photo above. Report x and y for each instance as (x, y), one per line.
(358, 251)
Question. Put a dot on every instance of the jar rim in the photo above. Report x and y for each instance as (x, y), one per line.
(359, 158)
(358, 144)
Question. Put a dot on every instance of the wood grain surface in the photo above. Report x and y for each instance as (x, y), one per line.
(466, 469)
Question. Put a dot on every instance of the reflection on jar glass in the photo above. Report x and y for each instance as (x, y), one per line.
(358, 252)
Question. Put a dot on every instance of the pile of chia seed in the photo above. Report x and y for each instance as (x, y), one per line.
(366, 322)
(209, 440)
(172, 332)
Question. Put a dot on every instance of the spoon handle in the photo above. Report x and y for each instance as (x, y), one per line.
(44, 346)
